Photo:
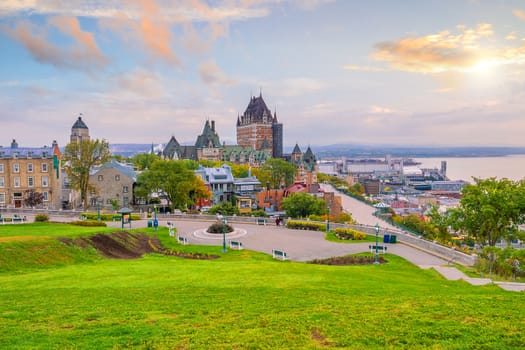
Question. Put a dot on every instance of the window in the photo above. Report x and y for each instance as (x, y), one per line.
(108, 201)
(44, 167)
(30, 182)
(1, 168)
(29, 155)
(45, 181)
(29, 167)
(125, 201)
(125, 189)
(100, 178)
(2, 184)
(117, 177)
(16, 168)
(45, 196)
(2, 197)
(16, 181)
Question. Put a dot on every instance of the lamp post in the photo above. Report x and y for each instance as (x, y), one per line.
(329, 204)
(224, 234)
(155, 222)
(376, 262)
(98, 208)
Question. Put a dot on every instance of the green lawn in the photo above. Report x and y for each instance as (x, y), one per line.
(246, 300)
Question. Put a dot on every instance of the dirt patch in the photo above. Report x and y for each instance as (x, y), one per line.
(348, 260)
(319, 338)
(124, 245)
(118, 245)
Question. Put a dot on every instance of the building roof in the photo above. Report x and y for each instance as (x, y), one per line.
(125, 169)
(216, 175)
(209, 137)
(296, 149)
(172, 148)
(79, 124)
(25, 152)
(256, 112)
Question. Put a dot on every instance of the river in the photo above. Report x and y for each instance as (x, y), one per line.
(510, 167)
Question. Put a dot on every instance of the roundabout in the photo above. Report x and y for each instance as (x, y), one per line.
(203, 234)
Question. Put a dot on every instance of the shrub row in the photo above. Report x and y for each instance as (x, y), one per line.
(41, 218)
(305, 225)
(108, 216)
(89, 223)
(349, 234)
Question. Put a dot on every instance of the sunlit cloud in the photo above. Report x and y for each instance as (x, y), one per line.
(364, 68)
(210, 73)
(84, 54)
(519, 13)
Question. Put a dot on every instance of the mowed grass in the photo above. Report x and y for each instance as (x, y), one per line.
(246, 300)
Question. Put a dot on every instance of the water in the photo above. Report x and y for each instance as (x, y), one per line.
(510, 167)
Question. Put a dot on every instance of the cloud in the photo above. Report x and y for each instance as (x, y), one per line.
(211, 74)
(519, 13)
(141, 82)
(437, 52)
(364, 68)
(84, 54)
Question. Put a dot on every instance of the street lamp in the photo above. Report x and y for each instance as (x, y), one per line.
(376, 262)
(224, 234)
(98, 208)
(329, 204)
(155, 222)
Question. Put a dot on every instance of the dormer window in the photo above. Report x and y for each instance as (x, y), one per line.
(29, 155)
(44, 154)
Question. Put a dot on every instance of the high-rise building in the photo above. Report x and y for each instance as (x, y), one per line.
(259, 129)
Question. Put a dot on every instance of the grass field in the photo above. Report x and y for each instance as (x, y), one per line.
(243, 300)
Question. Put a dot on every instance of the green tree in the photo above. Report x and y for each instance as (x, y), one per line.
(302, 205)
(440, 223)
(172, 179)
(490, 210)
(276, 172)
(79, 158)
(225, 208)
(143, 161)
(33, 198)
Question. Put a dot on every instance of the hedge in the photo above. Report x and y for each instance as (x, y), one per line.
(108, 217)
(305, 225)
(349, 234)
(89, 223)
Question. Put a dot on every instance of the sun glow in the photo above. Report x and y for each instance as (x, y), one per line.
(484, 66)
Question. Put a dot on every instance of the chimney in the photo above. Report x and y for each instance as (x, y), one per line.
(213, 125)
(14, 144)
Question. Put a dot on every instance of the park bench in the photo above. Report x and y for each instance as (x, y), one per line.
(182, 240)
(236, 245)
(170, 228)
(279, 254)
(116, 218)
(18, 218)
(381, 249)
(260, 222)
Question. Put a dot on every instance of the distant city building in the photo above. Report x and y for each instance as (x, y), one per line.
(208, 146)
(24, 169)
(112, 181)
(306, 165)
(259, 129)
(220, 182)
(79, 131)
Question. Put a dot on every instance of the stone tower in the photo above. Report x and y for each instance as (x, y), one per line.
(79, 131)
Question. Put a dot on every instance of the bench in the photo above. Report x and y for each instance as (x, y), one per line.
(279, 254)
(17, 218)
(260, 222)
(236, 245)
(170, 228)
(381, 249)
(116, 218)
(182, 240)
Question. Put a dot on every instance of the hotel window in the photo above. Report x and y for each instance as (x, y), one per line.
(16, 180)
(125, 201)
(45, 196)
(2, 197)
(45, 181)
(2, 181)
(29, 167)
(44, 167)
(108, 201)
(125, 189)
(30, 182)
(16, 168)
(100, 178)
(1, 168)
(117, 177)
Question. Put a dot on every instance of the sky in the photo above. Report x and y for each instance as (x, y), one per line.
(377, 72)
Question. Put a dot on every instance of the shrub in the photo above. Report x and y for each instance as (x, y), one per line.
(41, 218)
(89, 223)
(108, 216)
(348, 233)
(217, 228)
(305, 225)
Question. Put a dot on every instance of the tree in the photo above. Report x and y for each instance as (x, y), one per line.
(143, 161)
(172, 179)
(33, 198)
(276, 172)
(79, 158)
(490, 210)
(301, 205)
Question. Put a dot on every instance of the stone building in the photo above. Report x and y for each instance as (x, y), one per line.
(207, 146)
(259, 129)
(79, 131)
(25, 169)
(306, 165)
(112, 181)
